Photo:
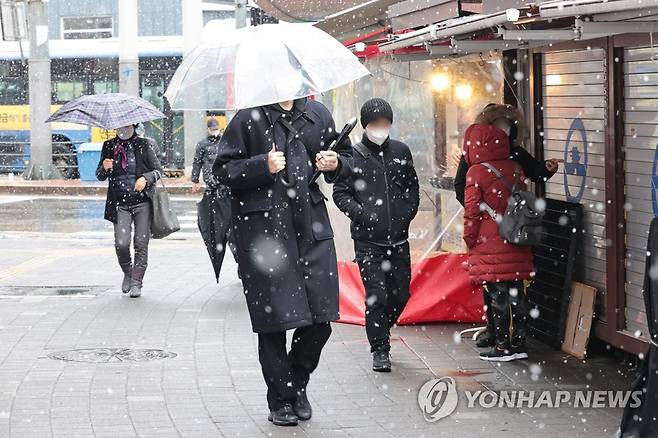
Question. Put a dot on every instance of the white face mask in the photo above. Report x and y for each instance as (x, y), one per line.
(125, 132)
(377, 136)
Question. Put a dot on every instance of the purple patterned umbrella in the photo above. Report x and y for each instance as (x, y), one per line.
(107, 111)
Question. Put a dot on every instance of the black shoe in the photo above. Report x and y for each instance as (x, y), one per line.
(381, 362)
(284, 416)
(125, 285)
(486, 340)
(302, 406)
(520, 352)
(498, 354)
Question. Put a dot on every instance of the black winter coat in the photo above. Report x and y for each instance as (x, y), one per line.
(533, 169)
(382, 195)
(147, 163)
(286, 253)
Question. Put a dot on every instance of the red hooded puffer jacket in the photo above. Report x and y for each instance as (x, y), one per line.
(490, 258)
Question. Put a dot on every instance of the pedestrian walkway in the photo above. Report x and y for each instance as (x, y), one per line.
(213, 386)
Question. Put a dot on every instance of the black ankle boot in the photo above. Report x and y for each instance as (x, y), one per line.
(302, 406)
(127, 279)
(135, 288)
(284, 416)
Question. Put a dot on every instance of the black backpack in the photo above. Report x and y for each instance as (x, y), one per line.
(521, 224)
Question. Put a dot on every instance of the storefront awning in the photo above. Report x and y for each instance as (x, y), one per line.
(359, 20)
(579, 8)
(451, 28)
(529, 27)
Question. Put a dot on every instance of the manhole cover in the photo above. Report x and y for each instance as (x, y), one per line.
(50, 291)
(103, 355)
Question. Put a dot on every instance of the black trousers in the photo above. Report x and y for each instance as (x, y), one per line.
(140, 215)
(287, 373)
(386, 274)
(509, 305)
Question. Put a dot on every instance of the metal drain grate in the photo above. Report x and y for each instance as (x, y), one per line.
(105, 355)
(50, 291)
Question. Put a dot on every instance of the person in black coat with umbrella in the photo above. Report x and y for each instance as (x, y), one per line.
(286, 253)
(132, 167)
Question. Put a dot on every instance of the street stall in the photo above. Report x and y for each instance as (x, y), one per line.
(584, 73)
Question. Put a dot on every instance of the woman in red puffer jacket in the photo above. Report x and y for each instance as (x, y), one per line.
(499, 266)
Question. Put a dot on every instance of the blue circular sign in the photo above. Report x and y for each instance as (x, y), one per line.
(575, 160)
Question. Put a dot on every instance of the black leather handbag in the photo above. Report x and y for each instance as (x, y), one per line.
(164, 220)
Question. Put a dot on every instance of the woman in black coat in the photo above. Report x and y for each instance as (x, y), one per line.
(133, 168)
(286, 253)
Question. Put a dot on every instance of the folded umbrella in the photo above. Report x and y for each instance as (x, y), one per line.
(214, 220)
(107, 111)
(261, 65)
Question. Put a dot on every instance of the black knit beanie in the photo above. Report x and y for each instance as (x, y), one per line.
(374, 109)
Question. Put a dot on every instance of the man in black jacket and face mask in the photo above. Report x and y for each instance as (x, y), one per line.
(381, 199)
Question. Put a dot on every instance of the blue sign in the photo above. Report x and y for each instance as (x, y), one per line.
(575, 161)
(654, 183)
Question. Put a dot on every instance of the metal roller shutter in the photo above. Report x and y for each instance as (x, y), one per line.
(640, 138)
(575, 100)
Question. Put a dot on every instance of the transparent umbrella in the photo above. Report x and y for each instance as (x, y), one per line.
(261, 65)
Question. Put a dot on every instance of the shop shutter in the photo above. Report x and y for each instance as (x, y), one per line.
(640, 138)
(574, 100)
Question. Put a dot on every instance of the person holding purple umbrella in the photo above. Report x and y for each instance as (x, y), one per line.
(132, 167)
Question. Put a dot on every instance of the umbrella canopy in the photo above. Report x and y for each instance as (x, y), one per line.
(262, 65)
(107, 111)
(642, 421)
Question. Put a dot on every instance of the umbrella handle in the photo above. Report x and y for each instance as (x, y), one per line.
(284, 182)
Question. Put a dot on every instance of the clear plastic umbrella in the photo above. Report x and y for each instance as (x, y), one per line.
(261, 65)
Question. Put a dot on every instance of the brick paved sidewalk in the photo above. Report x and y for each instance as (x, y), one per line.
(213, 387)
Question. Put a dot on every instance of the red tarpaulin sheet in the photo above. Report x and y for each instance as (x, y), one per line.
(440, 291)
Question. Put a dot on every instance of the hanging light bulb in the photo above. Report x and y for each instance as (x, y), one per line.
(440, 81)
(463, 91)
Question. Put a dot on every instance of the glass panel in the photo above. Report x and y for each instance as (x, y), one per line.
(434, 102)
(106, 86)
(13, 91)
(64, 91)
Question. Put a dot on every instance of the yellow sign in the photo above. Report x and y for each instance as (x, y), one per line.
(99, 135)
(17, 118)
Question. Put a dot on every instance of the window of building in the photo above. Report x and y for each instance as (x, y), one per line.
(66, 90)
(106, 86)
(13, 91)
(78, 28)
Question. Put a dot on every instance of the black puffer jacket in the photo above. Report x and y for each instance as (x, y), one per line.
(382, 196)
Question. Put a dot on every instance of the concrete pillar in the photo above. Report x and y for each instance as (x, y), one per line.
(240, 14)
(41, 150)
(128, 55)
(195, 127)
